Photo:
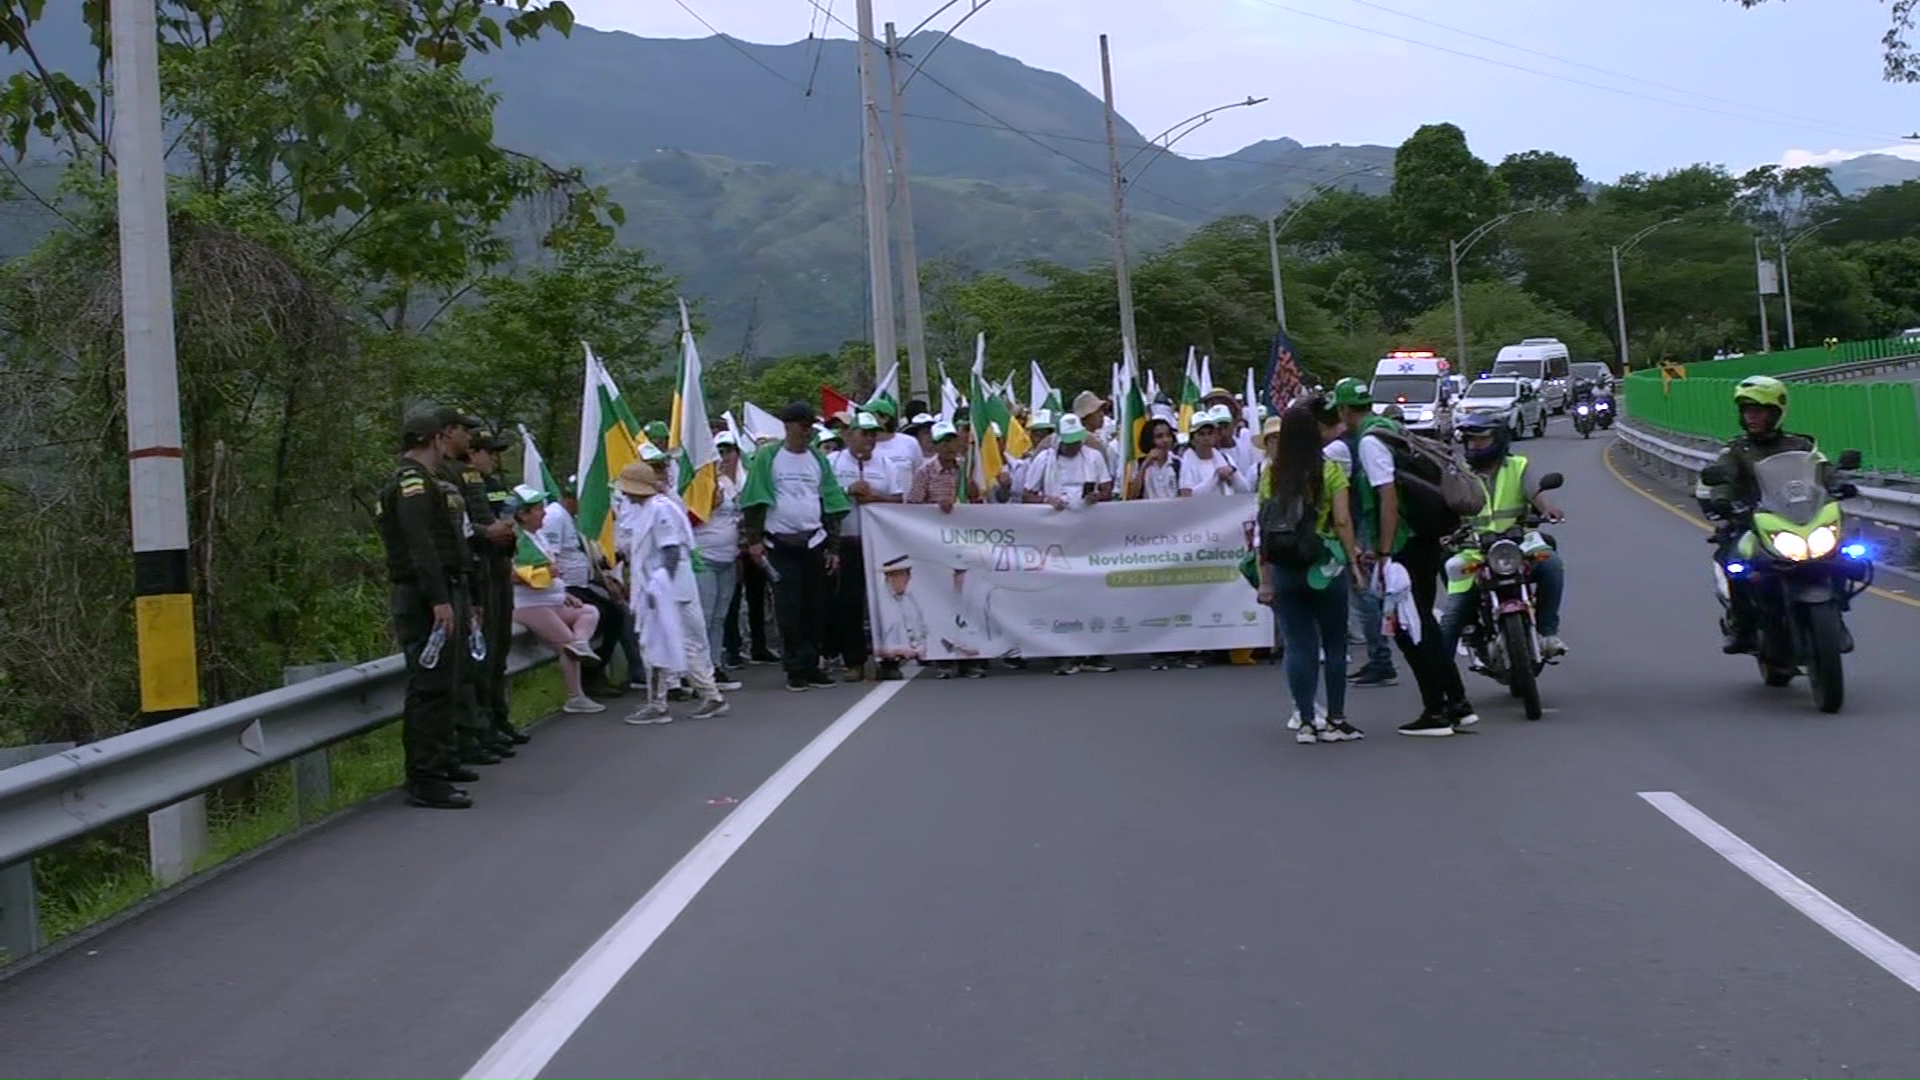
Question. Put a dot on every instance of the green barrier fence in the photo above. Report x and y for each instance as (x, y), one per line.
(1880, 419)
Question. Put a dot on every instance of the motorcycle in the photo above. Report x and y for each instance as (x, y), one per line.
(1502, 641)
(1583, 419)
(1603, 411)
(1797, 566)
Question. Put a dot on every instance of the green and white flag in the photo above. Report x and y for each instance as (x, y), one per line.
(533, 468)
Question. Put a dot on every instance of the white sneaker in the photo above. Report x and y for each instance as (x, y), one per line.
(582, 704)
(1306, 735)
(582, 651)
(708, 710)
(1551, 645)
(649, 714)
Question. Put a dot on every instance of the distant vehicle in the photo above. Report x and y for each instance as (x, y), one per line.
(1419, 384)
(1910, 334)
(1542, 361)
(1595, 372)
(1513, 400)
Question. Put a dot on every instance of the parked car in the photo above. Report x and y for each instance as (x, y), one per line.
(1512, 400)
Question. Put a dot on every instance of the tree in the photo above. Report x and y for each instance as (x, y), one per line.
(1541, 180)
(1499, 315)
(1783, 201)
(1693, 189)
(1440, 189)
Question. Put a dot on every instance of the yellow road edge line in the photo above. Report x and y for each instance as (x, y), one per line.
(1606, 458)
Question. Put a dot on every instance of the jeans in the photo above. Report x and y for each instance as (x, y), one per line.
(801, 600)
(1550, 585)
(1432, 662)
(1314, 625)
(1367, 604)
(716, 596)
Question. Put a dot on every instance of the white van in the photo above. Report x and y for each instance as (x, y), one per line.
(1542, 361)
(1418, 384)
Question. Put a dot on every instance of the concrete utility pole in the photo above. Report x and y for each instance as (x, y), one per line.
(162, 593)
(1130, 343)
(1786, 275)
(909, 249)
(1619, 293)
(1760, 290)
(873, 183)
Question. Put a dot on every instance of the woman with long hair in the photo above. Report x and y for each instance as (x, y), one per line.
(1307, 548)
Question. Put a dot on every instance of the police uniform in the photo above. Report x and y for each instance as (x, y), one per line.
(473, 716)
(420, 522)
(497, 621)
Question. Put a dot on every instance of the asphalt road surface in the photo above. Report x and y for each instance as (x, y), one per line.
(1126, 874)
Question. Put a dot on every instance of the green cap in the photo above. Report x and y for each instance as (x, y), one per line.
(1352, 393)
(882, 407)
(657, 431)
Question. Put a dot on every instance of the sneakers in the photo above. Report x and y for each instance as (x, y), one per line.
(583, 651)
(1192, 662)
(889, 672)
(724, 681)
(1341, 731)
(798, 683)
(764, 657)
(708, 710)
(1551, 646)
(818, 680)
(1428, 725)
(1306, 736)
(1066, 667)
(1096, 663)
(1158, 663)
(1462, 715)
(944, 672)
(582, 704)
(1370, 676)
(648, 715)
(974, 671)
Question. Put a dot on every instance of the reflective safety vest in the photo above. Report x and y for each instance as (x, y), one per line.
(1506, 497)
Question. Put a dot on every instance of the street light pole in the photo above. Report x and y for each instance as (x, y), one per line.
(1786, 276)
(1619, 295)
(1274, 231)
(1457, 250)
(1129, 345)
(1760, 289)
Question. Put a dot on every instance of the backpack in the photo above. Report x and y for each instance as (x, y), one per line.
(1438, 490)
(1289, 533)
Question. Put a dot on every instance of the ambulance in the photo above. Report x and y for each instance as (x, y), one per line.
(1420, 385)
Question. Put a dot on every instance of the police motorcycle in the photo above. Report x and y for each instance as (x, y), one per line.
(1603, 409)
(1501, 638)
(1583, 417)
(1798, 568)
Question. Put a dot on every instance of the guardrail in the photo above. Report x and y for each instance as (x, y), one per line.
(1859, 369)
(69, 794)
(1891, 508)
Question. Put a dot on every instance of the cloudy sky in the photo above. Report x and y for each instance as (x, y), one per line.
(1620, 85)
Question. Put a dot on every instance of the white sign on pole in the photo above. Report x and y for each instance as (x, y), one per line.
(1769, 278)
(993, 580)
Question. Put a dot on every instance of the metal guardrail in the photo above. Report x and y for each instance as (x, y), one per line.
(1855, 371)
(1889, 507)
(59, 798)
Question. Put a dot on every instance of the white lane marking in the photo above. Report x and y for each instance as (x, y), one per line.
(1898, 960)
(540, 1033)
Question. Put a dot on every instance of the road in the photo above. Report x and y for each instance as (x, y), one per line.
(1129, 874)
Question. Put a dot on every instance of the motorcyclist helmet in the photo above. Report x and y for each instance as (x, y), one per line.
(1487, 438)
(1762, 402)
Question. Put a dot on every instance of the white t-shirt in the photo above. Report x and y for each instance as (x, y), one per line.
(881, 474)
(796, 493)
(1376, 461)
(561, 538)
(1201, 475)
(1159, 481)
(718, 537)
(1051, 475)
(904, 449)
(1338, 453)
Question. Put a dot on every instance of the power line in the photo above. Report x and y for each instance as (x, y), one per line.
(1275, 4)
(741, 49)
(1617, 74)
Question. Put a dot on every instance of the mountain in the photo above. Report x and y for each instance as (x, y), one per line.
(1869, 171)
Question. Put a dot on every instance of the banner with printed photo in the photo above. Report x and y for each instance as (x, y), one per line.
(989, 580)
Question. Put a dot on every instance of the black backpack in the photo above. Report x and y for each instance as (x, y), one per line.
(1289, 533)
(1438, 490)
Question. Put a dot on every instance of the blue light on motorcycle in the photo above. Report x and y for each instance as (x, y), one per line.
(1855, 550)
(1735, 569)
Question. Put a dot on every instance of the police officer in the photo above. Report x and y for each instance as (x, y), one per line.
(496, 556)
(478, 744)
(421, 521)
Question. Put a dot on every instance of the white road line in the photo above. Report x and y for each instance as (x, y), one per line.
(1898, 960)
(533, 1040)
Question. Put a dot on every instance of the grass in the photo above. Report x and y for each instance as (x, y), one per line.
(93, 879)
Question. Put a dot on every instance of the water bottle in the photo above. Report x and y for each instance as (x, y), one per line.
(430, 655)
(477, 644)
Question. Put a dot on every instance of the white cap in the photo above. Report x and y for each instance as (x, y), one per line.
(1201, 418)
(650, 453)
(944, 430)
(1071, 430)
(921, 420)
(726, 438)
(1041, 418)
(1222, 414)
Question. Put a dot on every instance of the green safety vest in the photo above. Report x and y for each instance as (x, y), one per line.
(1506, 497)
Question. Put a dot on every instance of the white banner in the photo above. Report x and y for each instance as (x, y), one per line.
(1016, 580)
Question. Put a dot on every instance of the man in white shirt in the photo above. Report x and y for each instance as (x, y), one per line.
(1204, 469)
(868, 478)
(890, 445)
(1069, 475)
(793, 510)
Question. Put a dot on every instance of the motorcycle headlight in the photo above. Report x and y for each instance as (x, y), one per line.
(1504, 558)
(1583, 410)
(1822, 541)
(1790, 546)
